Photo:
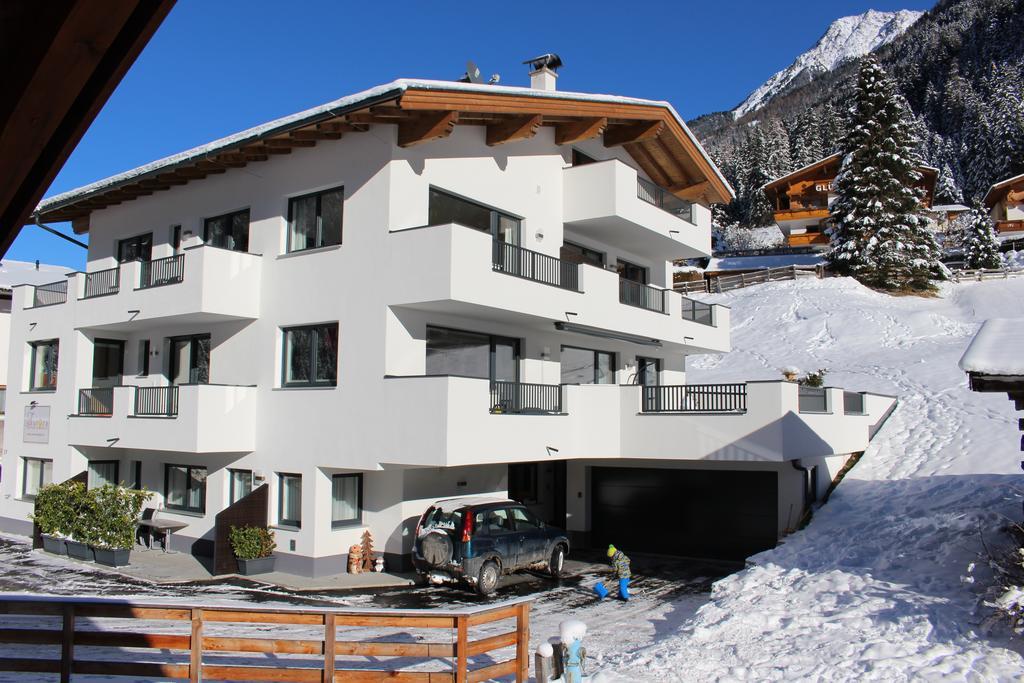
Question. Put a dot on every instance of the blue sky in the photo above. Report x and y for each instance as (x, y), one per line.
(218, 66)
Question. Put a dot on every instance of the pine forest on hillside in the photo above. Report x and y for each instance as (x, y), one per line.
(960, 68)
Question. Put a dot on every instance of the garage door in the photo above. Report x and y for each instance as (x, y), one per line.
(695, 513)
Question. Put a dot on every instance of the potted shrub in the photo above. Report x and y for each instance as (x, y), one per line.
(52, 515)
(116, 510)
(80, 529)
(254, 549)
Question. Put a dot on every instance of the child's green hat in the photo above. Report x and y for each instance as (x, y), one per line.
(611, 550)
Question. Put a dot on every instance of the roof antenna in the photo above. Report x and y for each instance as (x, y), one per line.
(472, 74)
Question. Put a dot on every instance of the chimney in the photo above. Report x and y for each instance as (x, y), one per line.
(543, 76)
(37, 264)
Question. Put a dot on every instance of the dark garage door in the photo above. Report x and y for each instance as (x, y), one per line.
(695, 513)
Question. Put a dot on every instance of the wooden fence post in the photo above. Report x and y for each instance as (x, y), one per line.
(330, 633)
(195, 662)
(462, 650)
(523, 642)
(67, 644)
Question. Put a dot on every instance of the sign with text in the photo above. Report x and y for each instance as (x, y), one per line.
(823, 186)
(37, 424)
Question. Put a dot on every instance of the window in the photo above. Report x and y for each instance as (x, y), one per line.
(190, 359)
(230, 231)
(289, 500)
(102, 472)
(143, 357)
(524, 520)
(447, 208)
(241, 484)
(581, 159)
(138, 248)
(497, 522)
(175, 238)
(586, 366)
(136, 469)
(346, 499)
(575, 253)
(632, 272)
(107, 362)
(314, 220)
(471, 354)
(185, 488)
(647, 371)
(38, 473)
(311, 356)
(44, 365)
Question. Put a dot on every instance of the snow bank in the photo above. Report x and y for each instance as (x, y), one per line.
(997, 349)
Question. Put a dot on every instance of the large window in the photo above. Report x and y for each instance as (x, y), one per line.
(44, 365)
(647, 371)
(38, 473)
(471, 354)
(143, 364)
(447, 208)
(185, 488)
(190, 359)
(311, 356)
(107, 362)
(346, 499)
(241, 484)
(576, 253)
(631, 271)
(314, 220)
(138, 248)
(289, 500)
(102, 472)
(230, 231)
(587, 366)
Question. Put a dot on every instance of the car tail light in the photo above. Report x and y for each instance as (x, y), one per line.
(467, 526)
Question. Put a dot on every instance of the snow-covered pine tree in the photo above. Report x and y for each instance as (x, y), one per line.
(877, 233)
(981, 247)
(946, 189)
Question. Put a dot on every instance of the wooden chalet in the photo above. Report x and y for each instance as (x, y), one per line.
(1005, 201)
(801, 200)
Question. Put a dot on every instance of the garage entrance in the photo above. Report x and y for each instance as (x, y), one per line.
(718, 514)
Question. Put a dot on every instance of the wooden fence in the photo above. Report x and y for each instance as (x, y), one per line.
(724, 283)
(225, 643)
(983, 274)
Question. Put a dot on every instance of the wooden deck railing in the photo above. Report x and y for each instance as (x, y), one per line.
(243, 644)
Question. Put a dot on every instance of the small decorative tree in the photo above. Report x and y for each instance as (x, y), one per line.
(813, 379)
(366, 545)
(981, 248)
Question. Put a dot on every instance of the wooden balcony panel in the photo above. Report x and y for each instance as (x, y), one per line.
(1010, 226)
(800, 214)
(805, 239)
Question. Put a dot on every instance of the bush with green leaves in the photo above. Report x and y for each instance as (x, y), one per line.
(252, 542)
(814, 379)
(115, 515)
(54, 510)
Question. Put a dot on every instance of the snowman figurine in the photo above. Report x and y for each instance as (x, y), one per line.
(574, 655)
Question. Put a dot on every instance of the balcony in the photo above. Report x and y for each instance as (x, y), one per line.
(190, 418)
(1010, 226)
(202, 284)
(608, 201)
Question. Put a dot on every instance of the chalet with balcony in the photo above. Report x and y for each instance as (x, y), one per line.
(801, 200)
(1005, 202)
(423, 290)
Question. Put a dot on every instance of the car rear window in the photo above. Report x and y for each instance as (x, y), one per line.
(442, 519)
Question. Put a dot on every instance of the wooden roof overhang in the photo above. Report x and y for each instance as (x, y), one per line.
(650, 132)
(1011, 188)
(828, 168)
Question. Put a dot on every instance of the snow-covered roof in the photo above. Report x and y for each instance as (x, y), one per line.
(948, 208)
(995, 193)
(759, 262)
(996, 348)
(13, 273)
(337, 107)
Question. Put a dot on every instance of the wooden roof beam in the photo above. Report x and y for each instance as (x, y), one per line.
(426, 127)
(691, 191)
(650, 165)
(509, 130)
(636, 132)
(288, 142)
(577, 131)
(315, 135)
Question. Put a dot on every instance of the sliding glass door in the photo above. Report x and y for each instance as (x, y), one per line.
(471, 354)
(190, 359)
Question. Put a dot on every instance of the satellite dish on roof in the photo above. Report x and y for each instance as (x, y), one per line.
(549, 60)
(472, 74)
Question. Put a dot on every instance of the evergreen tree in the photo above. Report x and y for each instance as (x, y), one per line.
(981, 247)
(946, 189)
(877, 233)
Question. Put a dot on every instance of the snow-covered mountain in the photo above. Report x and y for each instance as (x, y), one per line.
(846, 38)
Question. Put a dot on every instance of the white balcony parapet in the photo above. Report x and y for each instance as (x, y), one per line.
(189, 418)
(609, 201)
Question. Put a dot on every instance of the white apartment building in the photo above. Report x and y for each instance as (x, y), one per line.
(424, 290)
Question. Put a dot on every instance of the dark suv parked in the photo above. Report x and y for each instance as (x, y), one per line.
(477, 540)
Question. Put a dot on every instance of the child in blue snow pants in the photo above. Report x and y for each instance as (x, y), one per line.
(620, 571)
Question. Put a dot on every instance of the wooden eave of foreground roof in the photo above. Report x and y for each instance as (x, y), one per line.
(650, 133)
(1011, 189)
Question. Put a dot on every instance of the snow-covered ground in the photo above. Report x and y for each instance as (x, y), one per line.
(873, 588)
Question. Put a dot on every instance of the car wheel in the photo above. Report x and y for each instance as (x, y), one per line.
(487, 579)
(557, 561)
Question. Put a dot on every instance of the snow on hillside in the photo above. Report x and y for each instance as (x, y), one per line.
(872, 589)
(846, 38)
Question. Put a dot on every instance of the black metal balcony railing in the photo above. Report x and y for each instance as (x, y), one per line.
(160, 401)
(162, 271)
(642, 296)
(812, 399)
(695, 398)
(102, 282)
(664, 200)
(698, 312)
(520, 397)
(50, 294)
(853, 403)
(96, 401)
(533, 265)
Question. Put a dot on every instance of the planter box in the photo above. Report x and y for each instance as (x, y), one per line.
(55, 545)
(79, 551)
(260, 565)
(112, 558)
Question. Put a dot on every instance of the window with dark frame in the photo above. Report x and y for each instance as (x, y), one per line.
(185, 488)
(143, 365)
(37, 474)
(103, 472)
(445, 208)
(241, 485)
(138, 248)
(289, 500)
(44, 365)
(648, 371)
(310, 356)
(471, 354)
(136, 482)
(228, 231)
(175, 238)
(587, 366)
(631, 271)
(315, 220)
(346, 499)
(577, 253)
